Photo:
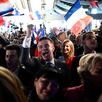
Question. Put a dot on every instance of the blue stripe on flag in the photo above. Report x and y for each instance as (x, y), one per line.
(43, 33)
(73, 9)
(34, 37)
(4, 12)
(17, 13)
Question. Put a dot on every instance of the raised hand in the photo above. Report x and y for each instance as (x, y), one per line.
(29, 30)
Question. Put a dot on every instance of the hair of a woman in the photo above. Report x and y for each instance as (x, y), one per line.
(97, 58)
(11, 89)
(85, 66)
(71, 46)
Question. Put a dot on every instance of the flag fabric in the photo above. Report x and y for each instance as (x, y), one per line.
(76, 18)
(41, 32)
(10, 12)
(3, 1)
(5, 7)
(73, 9)
(35, 37)
(80, 25)
(93, 3)
(1, 20)
(6, 11)
(88, 27)
(16, 12)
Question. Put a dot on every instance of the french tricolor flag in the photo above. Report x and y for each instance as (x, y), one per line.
(35, 37)
(5, 7)
(76, 18)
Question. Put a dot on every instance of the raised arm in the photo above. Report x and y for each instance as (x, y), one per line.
(25, 53)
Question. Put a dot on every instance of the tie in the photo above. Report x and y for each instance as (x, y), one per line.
(49, 64)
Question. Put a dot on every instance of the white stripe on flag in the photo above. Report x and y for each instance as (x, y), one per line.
(35, 35)
(79, 14)
(76, 18)
(5, 6)
(81, 24)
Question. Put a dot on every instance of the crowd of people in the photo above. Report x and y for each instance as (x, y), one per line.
(62, 68)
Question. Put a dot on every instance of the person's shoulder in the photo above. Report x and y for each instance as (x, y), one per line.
(77, 58)
(74, 94)
(59, 61)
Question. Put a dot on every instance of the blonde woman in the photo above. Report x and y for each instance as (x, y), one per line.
(90, 71)
(91, 76)
(11, 89)
(70, 60)
(68, 50)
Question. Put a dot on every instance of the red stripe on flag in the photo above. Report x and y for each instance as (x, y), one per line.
(86, 21)
(93, 3)
(37, 53)
(1, 20)
(80, 25)
(3, 1)
(37, 39)
(77, 28)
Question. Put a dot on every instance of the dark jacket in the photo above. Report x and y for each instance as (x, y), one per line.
(35, 64)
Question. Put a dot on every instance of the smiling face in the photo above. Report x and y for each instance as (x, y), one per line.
(46, 88)
(46, 49)
(68, 48)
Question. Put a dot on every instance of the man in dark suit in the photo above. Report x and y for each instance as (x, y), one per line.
(46, 49)
(12, 55)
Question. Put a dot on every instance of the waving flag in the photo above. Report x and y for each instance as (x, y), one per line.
(16, 12)
(5, 7)
(1, 20)
(76, 18)
(35, 38)
(6, 11)
(41, 32)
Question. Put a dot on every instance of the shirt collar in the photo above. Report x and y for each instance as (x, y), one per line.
(51, 61)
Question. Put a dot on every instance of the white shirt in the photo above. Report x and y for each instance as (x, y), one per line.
(26, 42)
